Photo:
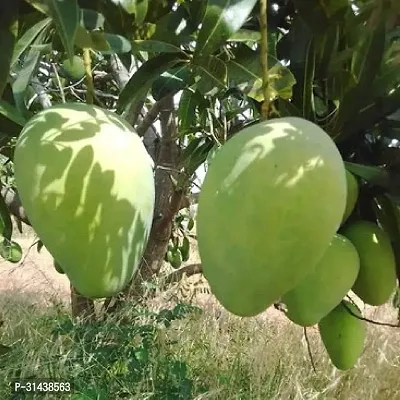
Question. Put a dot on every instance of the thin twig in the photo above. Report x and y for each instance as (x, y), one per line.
(264, 56)
(60, 86)
(309, 350)
(87, 62)
(371, 321)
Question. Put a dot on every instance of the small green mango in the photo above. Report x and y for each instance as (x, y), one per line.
(75, 69)
(376, 280)
(343, 335)
(11, 251)
(324, 288)
(176, 260)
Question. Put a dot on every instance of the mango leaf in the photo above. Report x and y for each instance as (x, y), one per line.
(388, 216)
(302, 63)
(244, 72)
(245, 35)
(221, 20)
(366, 63)
(27, 38)
(326, 49)
(371, 114)
(91, 19)
(140, 82)
(6, 226)
(372, 174)
(12, 113)
(108, 43)
(30, 63)
(66, 16)
(175, 28)
(40, 5)
(170, 82)
(154, 46)
(211, 74)
(137, 7)
(187, 109)
(8, 35)
(318, 14)
(287, 109)
(196, 153)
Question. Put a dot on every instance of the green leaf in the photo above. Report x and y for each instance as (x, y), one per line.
(154, 46)
(365, 65)
(175, 28)
(137, 7)
(302, 64)
(108, 43)
(368, 55)
(372, 174)
(170, 82)
(244, 72)
(25, 74)
(91, 19)
(245, 35)
(6, 226)
(187, 110)
(318, 14)
(8, 35)
(140, 82)
(221, 20)
(212, 74)
(66, 16)
(287, 109)
(12, 113)
(27, 38)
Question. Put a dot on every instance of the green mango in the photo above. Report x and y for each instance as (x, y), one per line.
(324, 288)
(352, 195)
(376, 280)
(86, 182)
(263, 222)
(176, 260)
(74, 69)
(11, 251)
(185, 249)
(343, 335)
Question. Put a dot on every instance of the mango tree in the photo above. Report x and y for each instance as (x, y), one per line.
(209, 73)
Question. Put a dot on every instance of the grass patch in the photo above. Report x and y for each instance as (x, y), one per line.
(186, 353)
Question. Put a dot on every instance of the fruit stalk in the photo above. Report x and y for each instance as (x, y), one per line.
(263, 19)
(87, 62)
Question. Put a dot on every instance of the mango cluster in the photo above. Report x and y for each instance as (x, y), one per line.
(273, 225)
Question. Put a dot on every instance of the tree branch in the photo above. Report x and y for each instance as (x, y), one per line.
(176, 276)
(14, 205)
(150, 117)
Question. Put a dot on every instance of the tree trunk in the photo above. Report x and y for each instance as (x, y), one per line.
(168, 201)
(82, 307)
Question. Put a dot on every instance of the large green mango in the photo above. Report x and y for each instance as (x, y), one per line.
(343, 335)
(86, 183)
(271, 202)
(376, 280)
(324, 288)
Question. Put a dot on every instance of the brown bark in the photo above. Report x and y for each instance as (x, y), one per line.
(167, 202)
(82, 307)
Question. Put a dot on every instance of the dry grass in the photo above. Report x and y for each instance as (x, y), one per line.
(227, 357)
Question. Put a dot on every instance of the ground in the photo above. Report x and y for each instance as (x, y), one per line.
(36, 277)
